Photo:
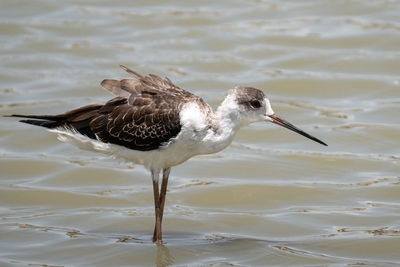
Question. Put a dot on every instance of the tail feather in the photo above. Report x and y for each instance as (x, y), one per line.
(77, 119)
(48, 121)
(40, 117)
(42, 123)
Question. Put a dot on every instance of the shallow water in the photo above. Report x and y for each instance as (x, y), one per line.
(272, 198)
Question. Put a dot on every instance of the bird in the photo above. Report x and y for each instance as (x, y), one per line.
(154, 123)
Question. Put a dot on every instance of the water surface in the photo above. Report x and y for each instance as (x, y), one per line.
(330, 67)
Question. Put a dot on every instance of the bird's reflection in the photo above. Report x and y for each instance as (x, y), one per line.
(164, 257)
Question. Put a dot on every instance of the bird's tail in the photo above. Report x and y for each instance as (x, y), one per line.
(76, 119)
(48, 121)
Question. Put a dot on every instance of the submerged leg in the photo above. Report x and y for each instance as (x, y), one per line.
(157, 237)
(161, 203)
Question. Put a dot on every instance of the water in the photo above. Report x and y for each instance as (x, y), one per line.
(330, 67)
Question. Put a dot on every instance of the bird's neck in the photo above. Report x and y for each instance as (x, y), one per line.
(226, 122)
(228, 116)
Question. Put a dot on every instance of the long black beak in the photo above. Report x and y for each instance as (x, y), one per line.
(282, 122)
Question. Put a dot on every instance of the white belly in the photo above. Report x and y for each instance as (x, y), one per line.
(157, 159)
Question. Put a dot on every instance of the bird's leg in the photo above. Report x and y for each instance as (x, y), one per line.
(157, 237)
(161, 198)
(163, 192)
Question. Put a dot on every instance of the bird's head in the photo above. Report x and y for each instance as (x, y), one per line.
(253, 105)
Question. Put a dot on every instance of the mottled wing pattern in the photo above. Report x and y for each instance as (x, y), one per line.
(146, 113)
(151, 84)
(145, 124)
(144, 116)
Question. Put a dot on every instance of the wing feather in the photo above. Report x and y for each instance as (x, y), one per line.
(140, 126)
(144, 115)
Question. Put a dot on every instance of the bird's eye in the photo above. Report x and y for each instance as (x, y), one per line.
(255, 104)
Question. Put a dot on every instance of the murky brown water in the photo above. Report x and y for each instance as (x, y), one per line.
(273, 197)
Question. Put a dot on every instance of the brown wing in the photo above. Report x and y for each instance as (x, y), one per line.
(144, 116)
(148, 118)
(130, 88)
(145, 124)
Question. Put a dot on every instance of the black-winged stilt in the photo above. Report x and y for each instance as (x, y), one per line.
(154, 123)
